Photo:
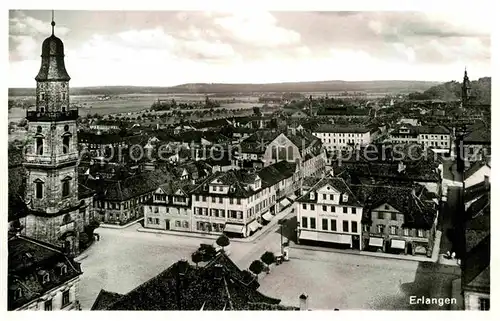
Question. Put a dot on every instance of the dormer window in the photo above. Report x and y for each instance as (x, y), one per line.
(63, 269)
(44, 276)
(18, 293)
(42, 96)
(345, 198)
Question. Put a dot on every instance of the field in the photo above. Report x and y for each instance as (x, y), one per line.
(133, 103)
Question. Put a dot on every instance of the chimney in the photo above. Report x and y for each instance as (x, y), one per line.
(401, 167)
(218, 272)
(303, 302)
(487, 181)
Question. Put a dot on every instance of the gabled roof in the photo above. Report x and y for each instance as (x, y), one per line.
(412, 201)
(270, 175)
(474, 168)
(334, 128)
(129, 187)
(28, 259)
(220, 285)
(338, 184)
(476, 267)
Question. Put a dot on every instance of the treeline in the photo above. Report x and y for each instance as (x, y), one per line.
(160, 105)
(480, 92)
(314, 86)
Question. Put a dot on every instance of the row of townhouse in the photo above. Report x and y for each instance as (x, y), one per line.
(428, 136)
(233, 202)
(367, 217)
(341, 137)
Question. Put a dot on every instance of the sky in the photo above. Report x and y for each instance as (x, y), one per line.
(167, 48)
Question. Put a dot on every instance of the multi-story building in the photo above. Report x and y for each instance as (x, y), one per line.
(398, 218)
(170, 207)
(329, 212)
(41, 276)
(339, 137)
(436, 137)
(119, 200)
(268, 147)
(238, 202)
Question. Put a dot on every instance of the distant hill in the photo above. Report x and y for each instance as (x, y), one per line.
(390, 86)
(480, 91)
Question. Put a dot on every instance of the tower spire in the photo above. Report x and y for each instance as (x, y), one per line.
(53, 22)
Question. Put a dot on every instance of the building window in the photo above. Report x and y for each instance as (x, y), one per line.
(65, 144)
(312, 207)
(304, 206)
(231, 200)
(177, 223)
(313, 222)
(380, 229)
(238, 201)
(332, 209)
(45, 278)
(65, 298)
(386, 207)
(420, 233)
(324, 196)
(344, 209)
(406, 231)
(220, 189)
(484, 304)
(394, 217)
(380, 215)
(65, 188)
(304, 222)
(47, 306)
(204, 198)
(220, 200)
(214, 188)
(150, 220)
(324, 208)
(345, 226)
(354, 227)
(324, 224)
(333, 225)
(39, 189)
(353, 210)
(366, 228)
(156, 210)
(213, 199)
(393, 230)
(331, 197)
(39, 146)
(185, 224)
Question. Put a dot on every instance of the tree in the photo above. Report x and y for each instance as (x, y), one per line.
(268, 258)
(256, 111)
(208, 252)
(223, 241)
(256, 267)
(197, 257)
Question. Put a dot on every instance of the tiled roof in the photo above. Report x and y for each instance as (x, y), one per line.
(433, 130)
(257, 142)
(338, 184)
(129, 187)
(27, 257)
(215, 123)
(412, 201)
(476, 267)
(270, 175)
(478, 136)
(475, 191)
(104, 299)
(217, 286)
(474, 168)
(422, 170)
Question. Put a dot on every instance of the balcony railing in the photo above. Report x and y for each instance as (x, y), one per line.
(34, 115)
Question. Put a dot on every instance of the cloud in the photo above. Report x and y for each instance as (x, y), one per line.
(257, 29)
(22, 25)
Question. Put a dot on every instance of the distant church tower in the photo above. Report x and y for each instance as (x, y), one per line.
(466, 90)
(51, 158)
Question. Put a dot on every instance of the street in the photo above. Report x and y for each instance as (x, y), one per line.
(125, 258)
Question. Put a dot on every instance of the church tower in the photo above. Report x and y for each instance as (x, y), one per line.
(466, 90)
(51, 158)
